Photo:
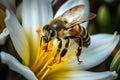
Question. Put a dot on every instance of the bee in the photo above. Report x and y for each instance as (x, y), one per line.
(67, 26)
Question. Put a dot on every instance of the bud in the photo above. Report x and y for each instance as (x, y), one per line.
(118, 12)
(115, 65)
(117, 17)
(103, 18)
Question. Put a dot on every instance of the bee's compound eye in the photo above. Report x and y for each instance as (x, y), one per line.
(52, 33)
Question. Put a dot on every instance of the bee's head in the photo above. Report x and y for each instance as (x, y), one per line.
(48, 33)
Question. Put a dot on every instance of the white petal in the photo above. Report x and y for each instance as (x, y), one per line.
(71, 3)
(85, 75)
(9, 3)
(16, 66)
(35, 14)
(101, 47)
(19, 12)
(18, 36)
(81, 75)
(3, 36)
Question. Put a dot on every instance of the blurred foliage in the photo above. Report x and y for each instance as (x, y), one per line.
(2, 16)
(108, 16)
(104, 18)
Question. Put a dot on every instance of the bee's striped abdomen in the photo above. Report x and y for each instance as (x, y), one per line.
(78, 30)
(85, 36)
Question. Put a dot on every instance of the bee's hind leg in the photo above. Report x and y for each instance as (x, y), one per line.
(80, 43)
(79, 50)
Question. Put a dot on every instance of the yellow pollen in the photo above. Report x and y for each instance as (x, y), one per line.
(45, 66)
(50, 67)
(41, 77)
(38, 30)
(75, 51)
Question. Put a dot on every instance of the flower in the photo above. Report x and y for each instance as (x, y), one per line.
(38, 63)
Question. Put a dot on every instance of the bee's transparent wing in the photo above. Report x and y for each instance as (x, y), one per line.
(72, 13)
(75, 16)
(81, 19)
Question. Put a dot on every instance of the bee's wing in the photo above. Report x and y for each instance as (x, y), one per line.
(72, 13)
(75, 16)
(81, 19)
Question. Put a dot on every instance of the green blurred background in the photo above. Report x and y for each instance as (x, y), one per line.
(108, 16)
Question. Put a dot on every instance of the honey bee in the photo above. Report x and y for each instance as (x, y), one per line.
(67, 26)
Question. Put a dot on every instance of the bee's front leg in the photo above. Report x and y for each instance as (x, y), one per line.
(59, 48)
(45, 47)
(62, 54)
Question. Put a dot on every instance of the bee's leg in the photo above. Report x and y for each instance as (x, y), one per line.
(65, 49)
(79, 50)
(59, 47)
(41, 43)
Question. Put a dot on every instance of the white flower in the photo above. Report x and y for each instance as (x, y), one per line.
(38, 63)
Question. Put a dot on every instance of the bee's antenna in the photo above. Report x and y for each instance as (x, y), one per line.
(45, 42)
(41, 40)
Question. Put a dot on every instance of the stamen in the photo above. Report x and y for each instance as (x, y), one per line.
(38, 30)
(38, 51)
(42, 60)
(50, 67)
(45, 66)
(41, 77)
(44, 55)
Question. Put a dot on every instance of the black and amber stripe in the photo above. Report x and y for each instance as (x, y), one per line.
(85, 36)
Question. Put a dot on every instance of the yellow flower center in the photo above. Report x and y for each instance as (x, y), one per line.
(46, 60)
